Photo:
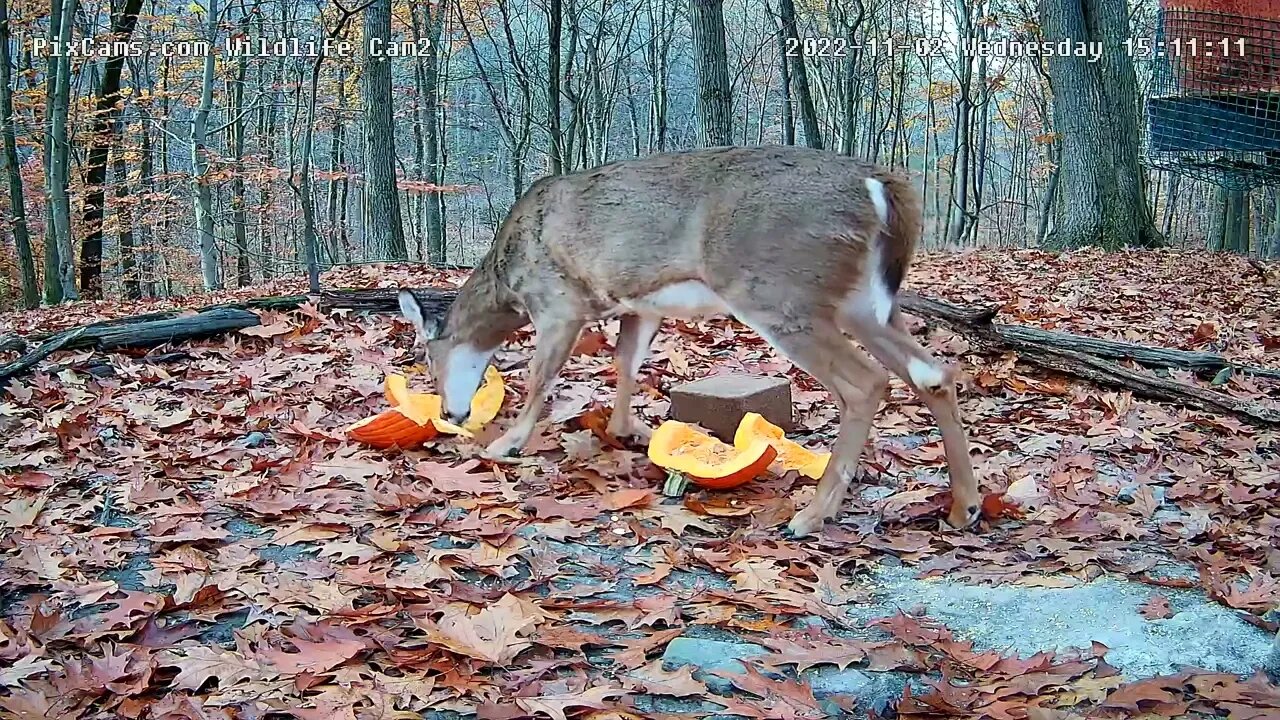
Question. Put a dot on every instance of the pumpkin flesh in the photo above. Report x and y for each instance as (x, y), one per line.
(791, 454)
(705, 460)
(416, 417)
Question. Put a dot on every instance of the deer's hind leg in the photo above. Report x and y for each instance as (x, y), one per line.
(934, 383)
(816, 345)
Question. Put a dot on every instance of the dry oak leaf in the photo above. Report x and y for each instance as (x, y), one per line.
(20, 513)
(494, 634)
(656, 681)
(1157, 608)
(554, 706)
(677, 519)
(314, 656)
(197, 663)
(24, 668)
(628, 498)
(804, 655)
(756, 575)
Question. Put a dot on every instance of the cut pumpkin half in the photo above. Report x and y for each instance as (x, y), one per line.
(705, 460)
(791, 455)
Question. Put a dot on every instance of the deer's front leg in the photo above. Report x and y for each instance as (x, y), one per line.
(635, 334)
(555, 341)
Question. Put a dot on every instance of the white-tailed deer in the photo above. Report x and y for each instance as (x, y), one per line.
(808, 248)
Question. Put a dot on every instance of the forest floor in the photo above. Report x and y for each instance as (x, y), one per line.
(197, 538)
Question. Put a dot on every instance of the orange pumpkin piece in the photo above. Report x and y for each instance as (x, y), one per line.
(705, 460)
(791, 454)
(416, 417)
(393, 428)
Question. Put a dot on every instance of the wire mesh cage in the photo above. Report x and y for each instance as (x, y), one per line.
(1213, 111)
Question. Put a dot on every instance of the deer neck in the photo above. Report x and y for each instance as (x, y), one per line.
(484, 314)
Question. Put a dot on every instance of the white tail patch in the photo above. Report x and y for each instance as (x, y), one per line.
(924, 374)
(872, 302)
(879, 198)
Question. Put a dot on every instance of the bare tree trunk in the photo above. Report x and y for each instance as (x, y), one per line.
(1237, 222)
(849, 108)
(812, 135)
(1050, 194)
(958, 213)
(106, 126)
(711, 65)
(384, 226)
(784, 68)
(555, 24)
(658, 58)
(124, 219)
(1221, 211)
(202, 193)
(60, 163)
(239, 211)
(1095, 109)
(1170, 203)
(337, 159)
(13, 171)
(52, 284)
(301, 183)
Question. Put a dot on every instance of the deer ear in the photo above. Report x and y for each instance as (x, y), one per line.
(427, 327)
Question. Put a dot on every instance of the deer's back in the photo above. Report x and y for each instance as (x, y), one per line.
(718, 216)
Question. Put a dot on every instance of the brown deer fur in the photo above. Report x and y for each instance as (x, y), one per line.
(806, 247)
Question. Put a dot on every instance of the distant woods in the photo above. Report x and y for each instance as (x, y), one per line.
(152, 168)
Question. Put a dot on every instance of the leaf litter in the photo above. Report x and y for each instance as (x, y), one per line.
(197, 539)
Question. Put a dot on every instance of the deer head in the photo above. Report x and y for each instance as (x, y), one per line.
(453, 359)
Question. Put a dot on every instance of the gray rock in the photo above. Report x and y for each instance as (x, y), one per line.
(1023, 619)
(709, 655)
(873, 690)
(254, 440)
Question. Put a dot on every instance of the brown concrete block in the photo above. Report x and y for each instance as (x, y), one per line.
(718, 403)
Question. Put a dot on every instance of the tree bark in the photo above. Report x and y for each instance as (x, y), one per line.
(1221, 211)
(13, 171)
(711, 65)
(784, 71)
(555, 24)
(60, 163)
(430, 110)
(384, 226)
(1095, 108)
(239, 211)
(809, 115)
(124, 219)
(106, 128)
(202, 194)
(52, 284)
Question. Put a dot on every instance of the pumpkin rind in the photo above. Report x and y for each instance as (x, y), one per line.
(705, 460)
(791, 454)
(392, 428)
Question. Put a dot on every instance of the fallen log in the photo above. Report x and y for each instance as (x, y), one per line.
(47, 348)
(433, 300)
(1074, 355)
(1088, 359)
(1021, 337)
(157, 328)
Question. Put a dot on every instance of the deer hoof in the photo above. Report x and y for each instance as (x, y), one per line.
(805, 524)
(963, 516)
